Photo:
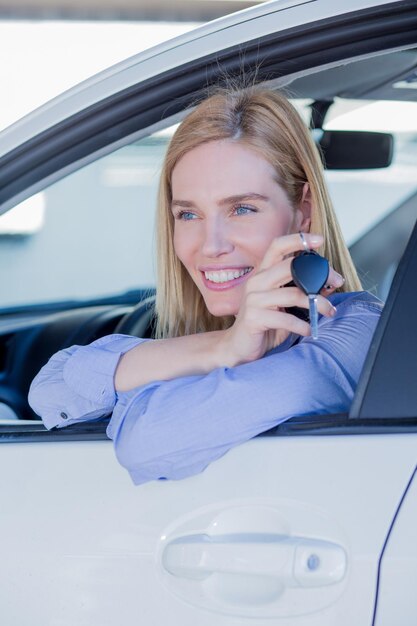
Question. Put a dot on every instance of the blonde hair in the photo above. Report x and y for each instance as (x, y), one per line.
(264, 121)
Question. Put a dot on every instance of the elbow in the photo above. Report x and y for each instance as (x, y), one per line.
(149, 455)
(142, 465)
(141, 448)
(152, 442)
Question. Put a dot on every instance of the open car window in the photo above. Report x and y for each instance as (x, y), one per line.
(97, 224)
(89, 238)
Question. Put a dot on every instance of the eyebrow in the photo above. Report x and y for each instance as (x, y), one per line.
(250, 195)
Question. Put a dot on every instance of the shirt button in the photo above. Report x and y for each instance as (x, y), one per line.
(64, 415)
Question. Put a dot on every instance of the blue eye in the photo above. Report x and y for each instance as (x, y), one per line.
(186, 215)
(244, 210)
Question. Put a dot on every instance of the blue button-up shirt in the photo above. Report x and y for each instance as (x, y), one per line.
(175, 428)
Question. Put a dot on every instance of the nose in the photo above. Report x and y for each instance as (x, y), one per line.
(216, 239)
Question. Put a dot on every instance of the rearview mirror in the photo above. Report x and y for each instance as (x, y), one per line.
(354, 150)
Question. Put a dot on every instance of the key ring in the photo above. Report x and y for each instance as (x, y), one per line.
(304, 240)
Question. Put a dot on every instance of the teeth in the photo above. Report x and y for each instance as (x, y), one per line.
(225, 275)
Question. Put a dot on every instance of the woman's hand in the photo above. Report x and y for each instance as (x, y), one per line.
(262, 322)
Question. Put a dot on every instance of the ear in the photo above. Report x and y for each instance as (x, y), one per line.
(302, 217)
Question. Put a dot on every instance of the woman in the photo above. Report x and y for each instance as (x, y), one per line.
(241, 179)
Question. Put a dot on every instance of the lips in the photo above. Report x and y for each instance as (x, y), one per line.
(218, 282)
(226, 275)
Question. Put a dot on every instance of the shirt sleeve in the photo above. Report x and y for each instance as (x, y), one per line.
(77, 383)
(174, 429)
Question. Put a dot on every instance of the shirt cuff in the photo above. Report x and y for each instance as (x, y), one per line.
(90, 370)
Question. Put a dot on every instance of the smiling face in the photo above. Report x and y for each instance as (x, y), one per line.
(228, 208)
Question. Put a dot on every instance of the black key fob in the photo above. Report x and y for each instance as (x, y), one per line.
(310, 272)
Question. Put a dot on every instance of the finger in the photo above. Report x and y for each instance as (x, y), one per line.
(282, 246)
(334, 281)
(280, 320)
(278, 275)
(324, 306)
(289, 297)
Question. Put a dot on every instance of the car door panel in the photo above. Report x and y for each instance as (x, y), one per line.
(84, 545)
(396, 596)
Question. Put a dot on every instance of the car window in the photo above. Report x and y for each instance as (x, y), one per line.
(91, 234)
(377, 208)
(364, 197)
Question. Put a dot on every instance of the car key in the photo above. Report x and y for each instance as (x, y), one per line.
(310, 272)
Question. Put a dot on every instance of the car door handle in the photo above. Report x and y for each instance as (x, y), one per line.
(295, 561)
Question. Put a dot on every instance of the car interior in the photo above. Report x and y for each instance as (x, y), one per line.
(30, 335)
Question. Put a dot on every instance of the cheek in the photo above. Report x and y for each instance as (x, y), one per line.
(261, 239)
(184, 246)
(284, 222)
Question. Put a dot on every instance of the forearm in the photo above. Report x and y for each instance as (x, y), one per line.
(165, 359)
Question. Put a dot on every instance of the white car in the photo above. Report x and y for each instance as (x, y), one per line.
(311, 524)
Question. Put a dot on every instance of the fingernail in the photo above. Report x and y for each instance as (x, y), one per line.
(315, 238)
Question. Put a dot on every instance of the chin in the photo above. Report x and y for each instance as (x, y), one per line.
(222, 309)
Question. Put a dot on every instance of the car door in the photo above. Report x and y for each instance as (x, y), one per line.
(297, 526)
